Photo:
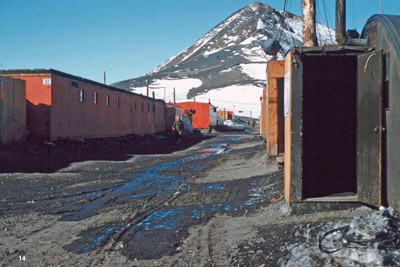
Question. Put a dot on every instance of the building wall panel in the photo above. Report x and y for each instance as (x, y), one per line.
(202, 118)
(38, 101)
(12, 110)
(114, 113)
(275, 71)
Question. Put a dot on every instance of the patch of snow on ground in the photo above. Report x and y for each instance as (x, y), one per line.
(244, 98)
(233, 124)
(356, 243)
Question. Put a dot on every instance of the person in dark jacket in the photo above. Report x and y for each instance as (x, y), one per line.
(177, 127)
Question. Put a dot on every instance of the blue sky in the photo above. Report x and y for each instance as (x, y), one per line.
(127, 38)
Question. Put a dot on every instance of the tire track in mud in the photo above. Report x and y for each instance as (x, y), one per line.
(111, 242)
(113, 235)
(145, 223)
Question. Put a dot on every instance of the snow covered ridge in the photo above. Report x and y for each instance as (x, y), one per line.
(371, 239)
(227, 65)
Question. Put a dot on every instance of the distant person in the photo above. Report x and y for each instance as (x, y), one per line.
(209, 128)
(253, 123)
(177, 127)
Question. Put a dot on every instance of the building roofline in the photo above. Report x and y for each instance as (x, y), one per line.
(43, 72)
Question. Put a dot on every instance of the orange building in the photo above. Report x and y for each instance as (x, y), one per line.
(12, 111)
(200, 114)
(273, 100)
(225, 115)
(60, 105)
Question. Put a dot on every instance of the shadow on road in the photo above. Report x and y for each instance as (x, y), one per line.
(48, 157)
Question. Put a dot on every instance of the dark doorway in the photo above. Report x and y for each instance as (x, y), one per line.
(329, 97)
(281, 118)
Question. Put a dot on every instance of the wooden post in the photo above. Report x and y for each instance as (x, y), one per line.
(174, 96)
(147, 85)
(340, 22)
(309, 30)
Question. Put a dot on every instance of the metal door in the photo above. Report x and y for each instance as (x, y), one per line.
(369, 128)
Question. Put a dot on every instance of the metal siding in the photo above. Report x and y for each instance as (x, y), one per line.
(296, 130)
(369, 120)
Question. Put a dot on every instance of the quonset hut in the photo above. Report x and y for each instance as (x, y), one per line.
(341, 121)
(383, 98)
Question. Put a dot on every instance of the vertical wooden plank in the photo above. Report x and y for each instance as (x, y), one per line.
(288, 132)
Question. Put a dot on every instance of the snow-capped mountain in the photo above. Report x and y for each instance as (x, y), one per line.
(227, 65)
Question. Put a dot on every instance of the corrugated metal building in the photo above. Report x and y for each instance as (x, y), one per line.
(200, 114)
(12, 111)
(341, 121)
(60, 105)
(380, 115)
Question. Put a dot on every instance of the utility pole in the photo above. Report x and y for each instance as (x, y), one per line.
(174, 96)
(147, 85)
(380, 7)
(105, 77)
(340, 22)
(309, 30)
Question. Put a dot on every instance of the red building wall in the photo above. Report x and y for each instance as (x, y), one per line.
(38, 102)
(56, 109)
(205, 114)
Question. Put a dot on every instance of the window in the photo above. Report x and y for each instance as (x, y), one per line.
(96, 97)
(107, 100)
(117, 102)
(82, 95)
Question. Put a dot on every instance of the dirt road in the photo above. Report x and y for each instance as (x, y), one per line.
(216, 203)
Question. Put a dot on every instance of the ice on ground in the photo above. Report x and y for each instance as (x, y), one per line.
(356, 242)
(232, 124)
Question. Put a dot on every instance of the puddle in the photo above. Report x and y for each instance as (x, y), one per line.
(175, 218)
(151, 181)
(168, 220)
(216, 186)
(93, 242)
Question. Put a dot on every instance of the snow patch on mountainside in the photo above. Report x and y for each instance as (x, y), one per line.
(227, 64)
(241, 99)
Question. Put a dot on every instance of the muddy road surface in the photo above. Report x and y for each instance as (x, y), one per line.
(216, 203)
